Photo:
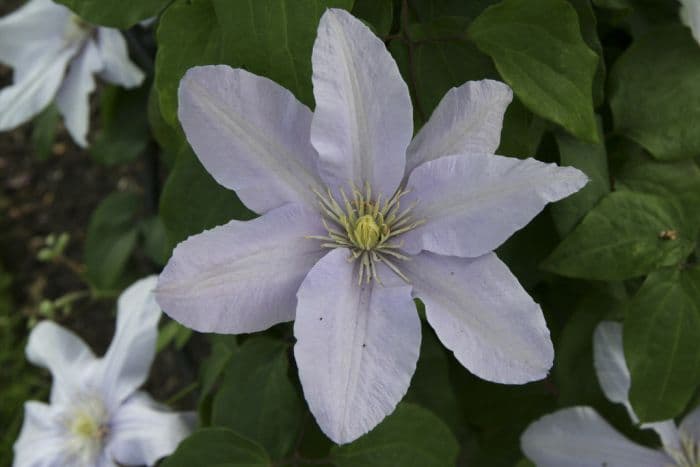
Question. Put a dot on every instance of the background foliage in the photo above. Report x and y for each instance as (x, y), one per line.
(609, 86)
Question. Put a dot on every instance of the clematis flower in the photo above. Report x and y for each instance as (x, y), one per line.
(579, 437)
(357, 220)
(55, 55)
(97, 417)
(690, 15)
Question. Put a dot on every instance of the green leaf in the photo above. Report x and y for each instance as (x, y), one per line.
(210, 447)
(111, 239)
(378, 13)
(44, 131)
(655, 98)
(661, 335)
(411, 436)
(592, 159)
(441, 58)
(672, 180)
(120, 14)
(124, 133)
(430, 10)
(538, 49)
(274, 38)
(257, 399)
(172, 332)
(627, 235)
(431, 387)
(192, 201)
(155, 244)
(188, 35)
(589, 31)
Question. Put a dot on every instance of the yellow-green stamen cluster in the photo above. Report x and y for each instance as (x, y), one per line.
(689, 454)
(367, 227)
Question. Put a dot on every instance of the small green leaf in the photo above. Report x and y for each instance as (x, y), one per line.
(111, 239)
(538, 49)
(120, 14)
(124, 133)
(274, 38)
(192, 201)
(257, 399)
(626, 235)
(593, 161)
(217, 447)
(378, 13)
(188, 35)
(155, 240)
(431, 387)
(655, 98)
(672, 180)
(410, 437)
(44, 131)
(661, 335)
(172, 332)
(441, 58)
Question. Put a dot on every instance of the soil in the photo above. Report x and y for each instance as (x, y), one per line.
(57, 195)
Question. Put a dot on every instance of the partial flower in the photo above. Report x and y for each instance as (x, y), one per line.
(358, 219)
(690, 15)
(55, 56)
(579, 437)
(97, 416)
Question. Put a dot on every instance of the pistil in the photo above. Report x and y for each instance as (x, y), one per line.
(367, 227)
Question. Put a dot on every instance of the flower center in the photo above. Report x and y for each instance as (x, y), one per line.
(367, 227)
(87, 423)
(689, 453)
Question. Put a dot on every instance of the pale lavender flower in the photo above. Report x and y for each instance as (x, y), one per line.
(55, 56)
(690, 15)
(357, 221)
(579, 437)
(97, 415)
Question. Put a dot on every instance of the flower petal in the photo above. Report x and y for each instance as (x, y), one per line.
(690, 15)
(480, 312)
(363, 120)
(251, 134)
(64, 354)
(614, 378)
(128, 360)
(357, 346)
(691, 425)
(144, 431)
(40, 443)
(118, 68)
(579, 437)
(473, 203)
(27, 31)
(73, 98)
(468, 120)
(610, 365)
(243, 276)
(35, 87)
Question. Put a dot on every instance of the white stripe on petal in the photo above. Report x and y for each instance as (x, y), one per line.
(579, 437)
(73, 98)
(357, 346)
(363, 120)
